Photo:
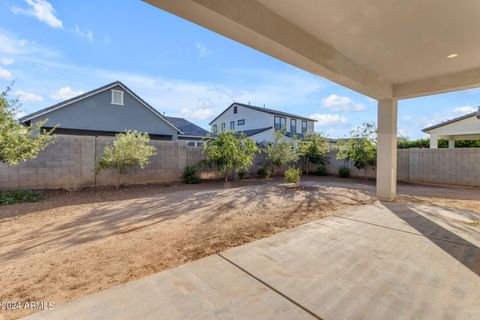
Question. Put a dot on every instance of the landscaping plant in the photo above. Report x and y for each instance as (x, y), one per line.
(230, 151)
(321, 170)
(344, 172)
(292, 175)
(314, 149)
(19, 142)
(130, 149)
(189, 175)
(281, 151)
(19, 196)
(263, 172)
(361, 148)
(243, 174)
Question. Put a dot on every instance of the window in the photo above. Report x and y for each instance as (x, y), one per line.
(241, 122)
(117, 97)
(304, 126)
(214, 128)
(222, 126)
(191, 144)
(293, 125)
(235, 109)
(280, 123)
(232, 125)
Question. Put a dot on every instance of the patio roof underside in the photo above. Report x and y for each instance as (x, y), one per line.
(381, 48)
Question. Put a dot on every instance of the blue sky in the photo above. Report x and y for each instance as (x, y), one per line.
(57, 49)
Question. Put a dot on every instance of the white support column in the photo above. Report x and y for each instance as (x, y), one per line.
(387, 150)
(451, 143)
(433, 141)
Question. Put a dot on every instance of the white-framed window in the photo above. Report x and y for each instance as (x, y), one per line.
(214, 128)
(222, 127)
(304, 126)
(293, 125)
(241, 122)
(280, 123)
(117, 97)
(232, 125)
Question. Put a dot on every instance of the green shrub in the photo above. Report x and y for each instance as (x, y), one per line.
(344, 172)
(20, 196)
(189, 175)
(292, 175)
(243, 174)
(263, 172)
(129, 149)
(321, 170)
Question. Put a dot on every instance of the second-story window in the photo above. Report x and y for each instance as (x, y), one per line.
(293, 125)
(241, 122)
(214, 128)
(235, 109)
(232, 125)
(222, 126)
(280, 123)
(304, 126)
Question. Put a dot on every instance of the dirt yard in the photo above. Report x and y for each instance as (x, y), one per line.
(77, 243)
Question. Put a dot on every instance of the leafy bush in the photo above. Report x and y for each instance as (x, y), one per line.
(129, 150)
(321, 170)
(243, 174)
(292, 175)
(20, 196)
(263, 172)
(281, 151)
(189, 175)
(344, 172)
(230, 151)
(314, 148)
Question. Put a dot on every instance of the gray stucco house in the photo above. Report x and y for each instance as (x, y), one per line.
(111, 109)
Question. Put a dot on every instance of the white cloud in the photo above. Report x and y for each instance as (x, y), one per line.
(340, 103)
(87, 34)
(202, 50)
(65, 93)
(198, 113)
(20, 114)
(326, 120)
(464, 110)
(42, 10)
(28, 97)
(6, 61)
(5, 74)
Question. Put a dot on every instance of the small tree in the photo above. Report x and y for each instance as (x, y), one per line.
(281, 151)
(230, 151)
(129, 150)
(17, 141)
(314, 149)
(361, 148)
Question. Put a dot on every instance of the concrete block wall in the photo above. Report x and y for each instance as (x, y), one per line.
(67, 163)
(459, 166)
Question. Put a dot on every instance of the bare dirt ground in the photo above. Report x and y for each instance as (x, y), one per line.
(77, 243)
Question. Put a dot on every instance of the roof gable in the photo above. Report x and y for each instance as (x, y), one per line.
(90, 94)
(266, 110)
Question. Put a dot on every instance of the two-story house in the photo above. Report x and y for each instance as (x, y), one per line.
(259, 123)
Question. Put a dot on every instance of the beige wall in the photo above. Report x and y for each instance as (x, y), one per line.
(70, 163)
(437, 166)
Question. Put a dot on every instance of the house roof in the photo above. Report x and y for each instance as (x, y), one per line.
(85, 95)
(252, 132)
(267, 110)
(187, 128)
(476, 113)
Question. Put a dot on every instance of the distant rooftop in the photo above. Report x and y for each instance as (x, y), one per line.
(263, 109)
(475, 113)
(187, 128)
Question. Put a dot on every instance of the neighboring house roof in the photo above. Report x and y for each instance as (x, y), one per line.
(85, 95)
(188, 129)
(267, 110)
(476, 113)
(252, 132)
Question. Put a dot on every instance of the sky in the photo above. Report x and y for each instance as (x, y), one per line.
(55, 50)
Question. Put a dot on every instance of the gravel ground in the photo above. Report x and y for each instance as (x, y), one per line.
(76, 243)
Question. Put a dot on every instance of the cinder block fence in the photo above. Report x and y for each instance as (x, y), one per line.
(70, 163)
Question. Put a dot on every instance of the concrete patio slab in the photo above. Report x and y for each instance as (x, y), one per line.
(383, 261)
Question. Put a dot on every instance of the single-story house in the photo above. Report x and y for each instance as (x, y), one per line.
(111, 109)
(466, 127)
